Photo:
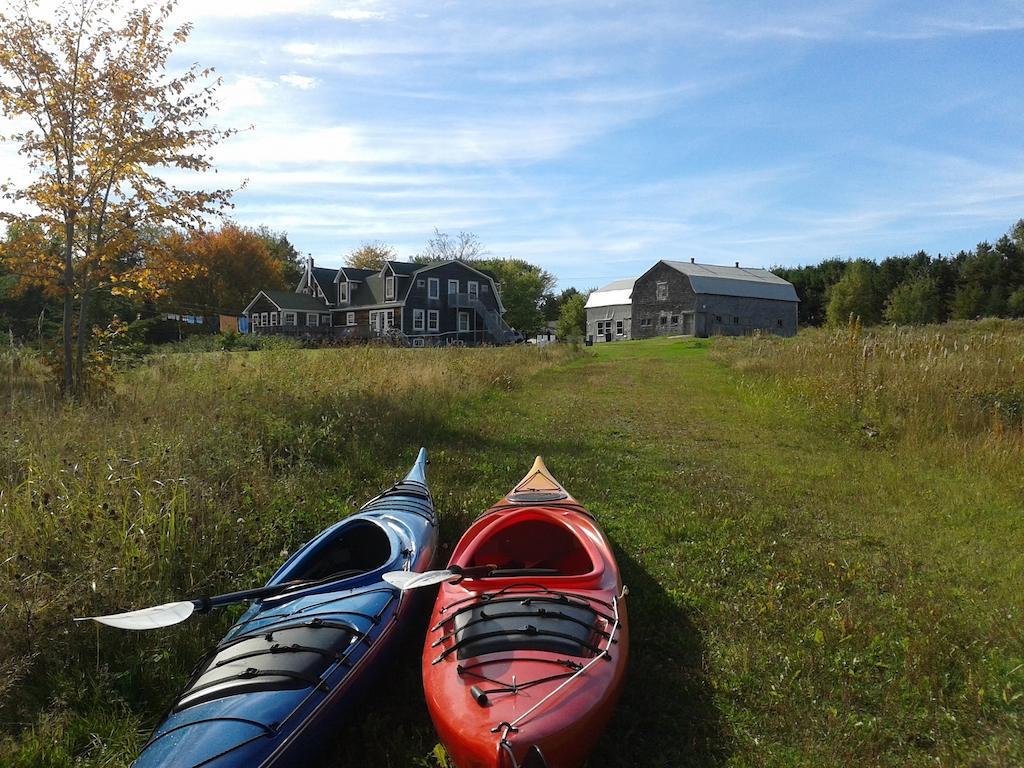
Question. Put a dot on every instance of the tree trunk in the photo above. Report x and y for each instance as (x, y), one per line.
(68, 384)
(83, 330)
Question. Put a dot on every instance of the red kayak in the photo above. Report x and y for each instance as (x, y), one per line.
(523, 665)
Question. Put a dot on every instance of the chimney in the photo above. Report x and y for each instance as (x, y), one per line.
(693, 260)
(737, 265)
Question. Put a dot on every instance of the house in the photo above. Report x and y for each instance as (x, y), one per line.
(690, 299)
(447, 302)
(610, 311)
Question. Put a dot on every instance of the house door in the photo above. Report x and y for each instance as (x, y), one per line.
(376, 322)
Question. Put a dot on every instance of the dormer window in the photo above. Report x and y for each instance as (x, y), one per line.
(389, 288)
(343, 292)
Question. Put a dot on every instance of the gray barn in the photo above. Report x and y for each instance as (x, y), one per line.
(610, 310)
(690, 299)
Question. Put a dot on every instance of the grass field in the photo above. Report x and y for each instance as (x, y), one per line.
(807, 587)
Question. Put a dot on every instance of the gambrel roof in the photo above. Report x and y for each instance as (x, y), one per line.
(735, 281)
(616, 293)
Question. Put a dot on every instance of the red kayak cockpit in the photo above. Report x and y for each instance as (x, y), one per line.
(533, 542)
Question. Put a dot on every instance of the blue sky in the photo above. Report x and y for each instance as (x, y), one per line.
(594, 138)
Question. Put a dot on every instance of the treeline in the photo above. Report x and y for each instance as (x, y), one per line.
(203, 272)
(913, 290)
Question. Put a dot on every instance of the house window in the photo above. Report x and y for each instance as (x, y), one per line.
(463, 321)
(325, 319)
(267, 319)
(453, 287)
(288, 318)
(255, 320)
(473, 289)
(389, 319)
(432, 319)
(618, 328)
(312, 320)
(350, 318)
(389, 288)
(417, 319)
(718, 318)
(662, 290)
(433, 288)
(417, 342)
(735, 320)
(778, 323)
(343, 292)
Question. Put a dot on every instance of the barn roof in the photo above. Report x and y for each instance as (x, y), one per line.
(735, 281)
(615, 293)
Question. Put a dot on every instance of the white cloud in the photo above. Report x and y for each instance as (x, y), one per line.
(301, 82)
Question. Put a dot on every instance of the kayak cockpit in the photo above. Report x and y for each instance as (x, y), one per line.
(357, 547)
(531, 546)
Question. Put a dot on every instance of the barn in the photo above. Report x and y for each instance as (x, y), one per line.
(610, 310)
(691, 299)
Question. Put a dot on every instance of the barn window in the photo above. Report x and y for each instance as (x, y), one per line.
(433, 288)
(662, 290)
(735, 320)
(417, 319)
(778, 323)
(431, 319)
(618, 328)
(350, 318)
(675, 319)
(718, 318)
(664, 319)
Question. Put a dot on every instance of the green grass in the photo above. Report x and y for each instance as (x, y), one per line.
(800, 594)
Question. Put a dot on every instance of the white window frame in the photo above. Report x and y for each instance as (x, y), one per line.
(463, 316)
(389, 288)
(265, 319)
(473, 289)
(455, 282)
(254, 319)
(325, 320)
(433, 288)
(619, 328)
(389, 319)
(350, 318)
(289, 318)
(312, 320)
(343, 292)
(418, 320)
(433, 320)
(662, 289)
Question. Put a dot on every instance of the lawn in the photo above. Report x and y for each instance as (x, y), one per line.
(801, 593)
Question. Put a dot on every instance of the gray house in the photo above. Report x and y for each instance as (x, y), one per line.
(690, 299)
(447, 302)
(610, 310)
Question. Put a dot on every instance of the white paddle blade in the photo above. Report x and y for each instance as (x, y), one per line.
(406, 580)
(147, 618)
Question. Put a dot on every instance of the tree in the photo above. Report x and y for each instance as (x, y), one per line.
(854, 295)
(915, 301)
(103, 118)
(551, 305)
(464, 247)
(236, 264)
(283, 252)
(1015, 303)
(371, 255)
(523, 287)
(572, 320)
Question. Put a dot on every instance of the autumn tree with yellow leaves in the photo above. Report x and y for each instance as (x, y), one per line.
(98, 118)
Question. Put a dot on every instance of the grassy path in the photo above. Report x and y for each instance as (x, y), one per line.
(797, 597)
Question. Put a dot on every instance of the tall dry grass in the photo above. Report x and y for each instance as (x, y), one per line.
(195, 473)
(959, 382)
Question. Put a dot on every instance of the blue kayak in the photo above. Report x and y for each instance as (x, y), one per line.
(292, 667)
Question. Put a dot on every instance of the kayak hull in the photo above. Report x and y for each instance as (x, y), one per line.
(293, 668)
(525, 666)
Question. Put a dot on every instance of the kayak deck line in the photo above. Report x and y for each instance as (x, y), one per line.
(520, 599)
